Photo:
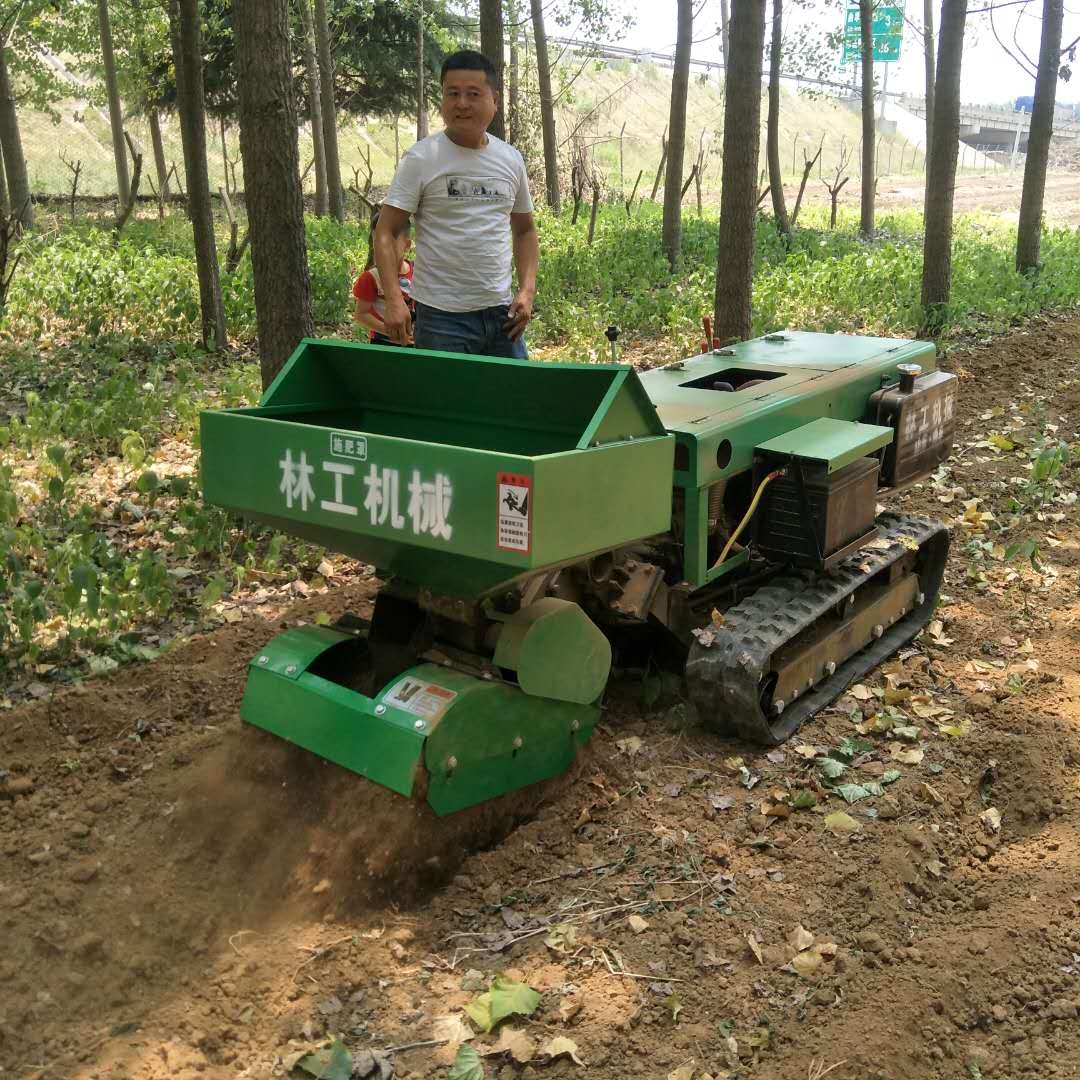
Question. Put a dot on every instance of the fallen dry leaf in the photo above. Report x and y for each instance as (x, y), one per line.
(860, 692)
(683, 1072)
(559, 1046)
(800, 939)
(638, 924)
(452, 1028)
(755, 947)
(906, 755)
(569, 1007)
(807, 964)
(930, 794)
(631, 745)
(516, 1043)
(841, 824)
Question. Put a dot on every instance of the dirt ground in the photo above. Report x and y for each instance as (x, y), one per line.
(992, 193)
(183, 898)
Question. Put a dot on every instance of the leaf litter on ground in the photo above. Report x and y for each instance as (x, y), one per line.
(505, 998)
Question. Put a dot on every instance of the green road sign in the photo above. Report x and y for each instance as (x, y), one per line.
(887, 29)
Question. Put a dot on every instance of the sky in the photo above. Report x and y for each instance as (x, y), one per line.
(988, 74)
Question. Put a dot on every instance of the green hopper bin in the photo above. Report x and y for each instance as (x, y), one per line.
(457, 473)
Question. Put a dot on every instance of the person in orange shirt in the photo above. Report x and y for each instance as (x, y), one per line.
(369, 298)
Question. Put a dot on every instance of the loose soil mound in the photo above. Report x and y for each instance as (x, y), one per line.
(180, 897)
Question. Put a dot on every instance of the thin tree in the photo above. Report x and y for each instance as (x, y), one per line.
(153, 119)
(513, 86)
(928, 63)
(673, 182)
(941, 178)
(5, 202)
(421, 98)
(491, 45)
(547, 107)
(186, 35)
(116, 112)
(18, 180)
(776, 179)
(271, 155)
(318, 140)
(869, 136)
(1029, 229)
(335, 193)
(725, 22)
(738, 193)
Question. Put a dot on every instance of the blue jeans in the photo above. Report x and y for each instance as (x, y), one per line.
(479, 333)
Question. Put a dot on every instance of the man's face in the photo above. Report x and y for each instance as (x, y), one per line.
(468, 104)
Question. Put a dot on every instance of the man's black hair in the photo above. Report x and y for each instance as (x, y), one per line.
(470, 60)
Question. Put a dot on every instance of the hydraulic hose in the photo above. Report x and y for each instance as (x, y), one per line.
(766, 480)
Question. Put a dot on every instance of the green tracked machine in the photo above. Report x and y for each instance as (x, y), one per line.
(531, 521)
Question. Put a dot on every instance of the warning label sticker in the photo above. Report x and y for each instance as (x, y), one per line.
(420, 698)
(515, 512)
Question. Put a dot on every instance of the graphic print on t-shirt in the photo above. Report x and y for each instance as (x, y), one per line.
(489, 188)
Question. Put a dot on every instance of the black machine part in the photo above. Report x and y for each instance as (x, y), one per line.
(921, 410)
(810, 517)
(734, 673)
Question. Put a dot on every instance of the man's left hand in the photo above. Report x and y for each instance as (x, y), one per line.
(519, 315)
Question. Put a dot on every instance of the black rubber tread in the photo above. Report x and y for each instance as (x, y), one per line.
(724, 679)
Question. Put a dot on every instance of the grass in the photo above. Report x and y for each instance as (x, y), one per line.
(106, 549)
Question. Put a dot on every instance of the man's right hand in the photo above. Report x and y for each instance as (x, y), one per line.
(398, 321)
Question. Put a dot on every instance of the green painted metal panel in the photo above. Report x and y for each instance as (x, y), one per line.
(293, 651)
(482, 402)
(556, 651)
(606, 497)
(835, 442)
(417, 462)
(494, 738)
(337, 724)
(820, 375)
(807, 376)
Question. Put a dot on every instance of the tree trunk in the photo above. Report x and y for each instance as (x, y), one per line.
(673, 182)
(318, 141)
(335, 194)
(224, 153)
(738, 193)
(513, 104)
(725, 21)
(928, 61)
(1029, 229)
(5, 202)
(421, 98)
(160, 165)
(776, 180)
(186, 33)
(491, 45)
(116, 112)
(941, 180)
(18, 182)
(547, 107)
(869, 132)
(268, 144)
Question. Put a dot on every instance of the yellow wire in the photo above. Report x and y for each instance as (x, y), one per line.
(748, 515)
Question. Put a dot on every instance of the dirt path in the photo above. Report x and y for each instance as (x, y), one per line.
(992, 193)
(183, 899)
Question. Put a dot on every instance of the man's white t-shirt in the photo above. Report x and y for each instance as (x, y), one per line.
(461, 201)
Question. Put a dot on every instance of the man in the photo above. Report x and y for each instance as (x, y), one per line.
(469, 194)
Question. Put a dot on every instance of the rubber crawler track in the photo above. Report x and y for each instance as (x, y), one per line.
(724, 679)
